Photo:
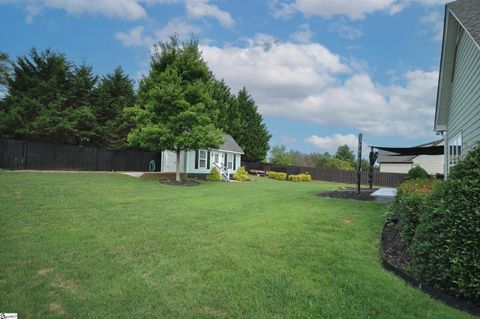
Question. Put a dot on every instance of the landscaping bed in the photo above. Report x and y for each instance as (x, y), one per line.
(161, 176)
(394, 248)
(349, 193)
(396, 258)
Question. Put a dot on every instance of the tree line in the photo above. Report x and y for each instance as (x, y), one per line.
(48, 98)
(344, 158)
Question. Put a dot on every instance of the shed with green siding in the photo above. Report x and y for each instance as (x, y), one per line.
(198, 163)
(457, 115)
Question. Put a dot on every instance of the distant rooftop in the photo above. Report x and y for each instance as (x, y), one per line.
(468, 14)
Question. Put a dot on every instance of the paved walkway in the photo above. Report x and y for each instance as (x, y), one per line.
(384, 194)
(133, 174)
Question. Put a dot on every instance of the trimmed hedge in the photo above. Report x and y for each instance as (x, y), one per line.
(294, 178)
(446, 244)
(441, 223)
(417, 172)
(214, 175)
(409, 204)
(241, 174)
(277, 175)
(306, 177)
(300, 178)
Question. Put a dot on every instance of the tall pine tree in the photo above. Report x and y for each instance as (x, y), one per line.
(114, 93)
(254, 135)
(5, 69)
(49, 100)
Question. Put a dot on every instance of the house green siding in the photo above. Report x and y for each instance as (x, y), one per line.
(190, 160)
(464, 110)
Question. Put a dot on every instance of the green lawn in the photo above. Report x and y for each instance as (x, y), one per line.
(93, 245)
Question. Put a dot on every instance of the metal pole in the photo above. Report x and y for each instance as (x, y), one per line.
(359, 166)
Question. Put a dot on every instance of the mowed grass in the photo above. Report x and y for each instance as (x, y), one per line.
(93, 245)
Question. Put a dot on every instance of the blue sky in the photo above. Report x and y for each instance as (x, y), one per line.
(321, 71)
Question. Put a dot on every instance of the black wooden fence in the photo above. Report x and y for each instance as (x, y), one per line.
(16, 154)
(330, 175)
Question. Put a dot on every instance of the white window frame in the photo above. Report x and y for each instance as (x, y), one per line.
(455, 150)
(229, 161)
(202, 156)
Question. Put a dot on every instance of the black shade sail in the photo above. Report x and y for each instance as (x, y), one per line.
(400, 151)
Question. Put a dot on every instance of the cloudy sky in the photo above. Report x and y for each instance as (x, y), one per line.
(321, 71)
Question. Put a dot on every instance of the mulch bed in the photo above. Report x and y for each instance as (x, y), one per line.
(396, 258)
(349, 193)
(181, 183)
(394, 248)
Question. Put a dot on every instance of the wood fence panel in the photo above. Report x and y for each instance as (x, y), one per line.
(16, 154)
(330, 175)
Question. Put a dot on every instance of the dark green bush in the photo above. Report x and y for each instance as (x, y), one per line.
(417, 172)
(409, 204)
(446, 244)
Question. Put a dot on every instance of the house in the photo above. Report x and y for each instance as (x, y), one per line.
(392, 163)
(198, 163)
(457, 115)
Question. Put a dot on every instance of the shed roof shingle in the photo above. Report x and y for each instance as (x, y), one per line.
(229, 144)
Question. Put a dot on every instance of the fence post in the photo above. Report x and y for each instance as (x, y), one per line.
(24, 154)
(359, 168)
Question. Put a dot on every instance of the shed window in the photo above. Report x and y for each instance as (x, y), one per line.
(229, 161)
(202, 160)
(454, 150)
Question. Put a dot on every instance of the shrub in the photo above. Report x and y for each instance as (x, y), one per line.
(241, 174)
(294, 178)
(214, 175)
(446, 245)
(306, 177)
(417, 172)
(277, 175)
(409, 204)
(300, 178)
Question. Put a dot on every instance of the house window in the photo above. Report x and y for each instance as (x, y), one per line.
(216, 157)
(454, 150)
(202, 159)
(229, 161)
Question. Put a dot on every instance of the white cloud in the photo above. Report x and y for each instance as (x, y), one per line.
(308, 82)
(354, 10)
(134, 37)
(137, 37)
(331, 143)
(434, 20)
(303, 35)
(345, 30)
(201, 8)
(327, 8)
(288, 140)
(122, 9)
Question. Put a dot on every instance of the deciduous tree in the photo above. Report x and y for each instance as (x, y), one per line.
(175, 109)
